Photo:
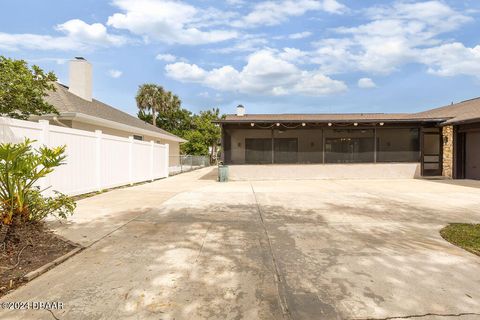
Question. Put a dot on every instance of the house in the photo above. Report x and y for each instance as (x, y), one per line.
(77, 109)
(439, 142)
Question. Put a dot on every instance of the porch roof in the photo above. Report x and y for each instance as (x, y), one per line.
(325, 118)
(462, 112)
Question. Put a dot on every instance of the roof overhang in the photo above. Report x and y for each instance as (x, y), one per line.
(459, 122)
(85, 118)
(353, 120)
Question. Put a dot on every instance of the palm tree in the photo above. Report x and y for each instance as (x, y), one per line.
(150, 98)
(176, 103)
(167, 101)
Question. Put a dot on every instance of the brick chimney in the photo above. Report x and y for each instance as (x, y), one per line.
(80, 78)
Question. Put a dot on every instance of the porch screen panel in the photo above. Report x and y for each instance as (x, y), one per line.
(286, 150)
(258, 151)
(398, 145)
(349, 146)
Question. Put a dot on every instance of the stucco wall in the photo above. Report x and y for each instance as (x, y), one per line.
(447, 133)
(324, 171)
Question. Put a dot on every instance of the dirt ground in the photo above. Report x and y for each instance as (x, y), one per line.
(25, 249)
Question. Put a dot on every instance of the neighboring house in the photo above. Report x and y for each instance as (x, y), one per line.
(79, 110)
(438, 142)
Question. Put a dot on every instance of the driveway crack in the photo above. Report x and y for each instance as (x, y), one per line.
(278, 277)
(203, 243)
(423, 315)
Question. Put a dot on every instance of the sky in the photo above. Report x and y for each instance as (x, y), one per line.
(284, 56)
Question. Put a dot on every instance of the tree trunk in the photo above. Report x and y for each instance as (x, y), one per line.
(154, 117)
(3, 232)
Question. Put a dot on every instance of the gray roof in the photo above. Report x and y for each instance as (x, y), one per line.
(65, 102)
(463, 112)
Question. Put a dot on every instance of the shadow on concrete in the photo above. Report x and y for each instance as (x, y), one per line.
(462, 183)
(365, 257)
(370, 261)
(211, 175)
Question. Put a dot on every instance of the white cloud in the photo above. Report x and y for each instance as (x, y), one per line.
(236, 3)
(95, 33)
(169, 21)
(115, 73)
(435, 14)
(300, 35)
(272, 13)
(245, 43)
(265, 73)
(293, 55)
(167, 57)
(333, 6)
(405, 32)
(79, 35)
(452, 59)
(366, 83)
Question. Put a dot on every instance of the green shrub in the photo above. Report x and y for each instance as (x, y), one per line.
(21, 167)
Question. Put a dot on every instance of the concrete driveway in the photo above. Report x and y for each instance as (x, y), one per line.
(188, 247)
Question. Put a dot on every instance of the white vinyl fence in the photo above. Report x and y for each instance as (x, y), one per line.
(95, 161)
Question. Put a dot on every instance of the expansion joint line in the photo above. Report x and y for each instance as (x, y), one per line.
(278, 278)
(203, 242)
(423, 315)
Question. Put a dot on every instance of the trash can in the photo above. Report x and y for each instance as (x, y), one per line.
(222, 173)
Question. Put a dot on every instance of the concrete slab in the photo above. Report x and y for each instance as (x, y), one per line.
(371, 250)
(189, 247)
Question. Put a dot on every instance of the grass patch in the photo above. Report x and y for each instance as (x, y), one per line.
(463, 235)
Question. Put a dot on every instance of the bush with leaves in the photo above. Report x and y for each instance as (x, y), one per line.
(21, 167)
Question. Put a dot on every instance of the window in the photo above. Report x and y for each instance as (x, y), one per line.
(398, 145)
(137, 137)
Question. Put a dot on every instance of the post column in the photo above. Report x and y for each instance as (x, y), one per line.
(130, 160)
(98, 159)
(152, 157)
(167, 159)
(45, 183)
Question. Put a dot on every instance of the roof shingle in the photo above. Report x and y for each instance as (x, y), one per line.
(65, 101)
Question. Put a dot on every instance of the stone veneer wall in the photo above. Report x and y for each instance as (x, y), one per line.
(447, 133)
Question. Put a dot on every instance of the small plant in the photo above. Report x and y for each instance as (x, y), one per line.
(21, 167)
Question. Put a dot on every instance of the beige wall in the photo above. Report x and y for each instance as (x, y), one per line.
(309, 142)
(324, 171)
(174, 147)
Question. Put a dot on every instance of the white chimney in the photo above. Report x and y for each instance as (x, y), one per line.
(80, 78)
(240, 110)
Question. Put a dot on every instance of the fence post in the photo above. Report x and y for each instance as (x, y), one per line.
(152, 159)
(130, 160)
(45, 138)
(98, 159)
(167, 159)
(45, 182)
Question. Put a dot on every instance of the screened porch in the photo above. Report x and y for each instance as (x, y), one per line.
(317, 144)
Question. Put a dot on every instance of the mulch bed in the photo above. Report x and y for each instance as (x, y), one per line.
(27, 248)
